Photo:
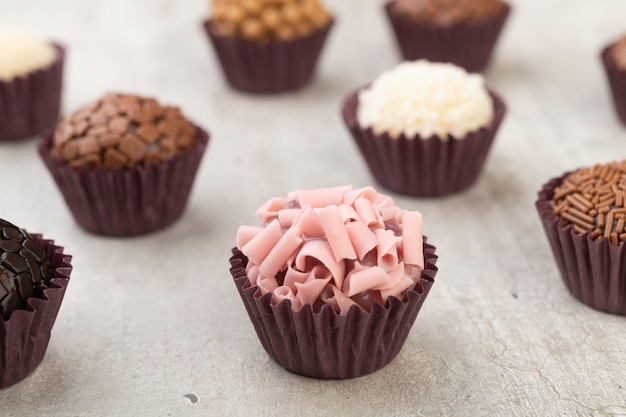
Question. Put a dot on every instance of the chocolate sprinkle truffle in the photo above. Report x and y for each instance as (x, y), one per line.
(120, 130)
(583, 214)
(24, 269)
(594, 200)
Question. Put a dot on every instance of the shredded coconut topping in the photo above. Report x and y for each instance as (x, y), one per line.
(22, 52)
(425, 98)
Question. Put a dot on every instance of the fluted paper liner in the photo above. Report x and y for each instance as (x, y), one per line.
(617, 83)
(267, 66)
(423, 167)
(326, 344)
(127, 201)
(468, 45)
(25, 335)
(594, 272)
(30, 104)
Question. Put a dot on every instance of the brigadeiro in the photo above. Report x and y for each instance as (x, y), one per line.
(584, 216)
(462, 32)
(125, 164)
(614, 60)
(34, 274)
(425, 129)
(333, 279)
(31, 75)
(268, 46)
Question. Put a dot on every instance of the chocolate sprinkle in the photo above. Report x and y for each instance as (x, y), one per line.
(24, 270)
(593, 200)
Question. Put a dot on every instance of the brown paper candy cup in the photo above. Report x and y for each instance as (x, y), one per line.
(30, 104)
(326, 344)
(423, 167)
(267, 66)
(594, 272)
(24, 336)
(465, 44)
(617, 83)
(127, 201)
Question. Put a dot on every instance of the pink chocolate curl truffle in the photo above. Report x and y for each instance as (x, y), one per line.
(333, 246)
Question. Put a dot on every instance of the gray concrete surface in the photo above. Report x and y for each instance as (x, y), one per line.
(153, 326)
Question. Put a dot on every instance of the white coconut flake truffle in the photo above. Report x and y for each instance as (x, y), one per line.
(425, 98)
(22, 52)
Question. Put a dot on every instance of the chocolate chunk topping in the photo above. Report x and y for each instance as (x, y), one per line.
(31, 247)
(12, 233)
(13, 261)
(132, 147)
(24, 269)
(120, 130)
(9, 246)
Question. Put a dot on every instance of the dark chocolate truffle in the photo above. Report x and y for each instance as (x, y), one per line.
(24, 270)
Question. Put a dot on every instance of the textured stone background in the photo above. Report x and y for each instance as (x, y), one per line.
(154, 326)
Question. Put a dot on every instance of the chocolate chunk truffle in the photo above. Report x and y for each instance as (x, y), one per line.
(125, 164)
(34, 274)
(462, 32)
(584, 214)
(268, 46)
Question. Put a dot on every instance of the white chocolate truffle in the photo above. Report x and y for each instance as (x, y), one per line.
(425, 98)
(22, 52)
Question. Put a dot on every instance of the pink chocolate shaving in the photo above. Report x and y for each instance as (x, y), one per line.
(336, 298)
(260, 245)
(412, 245)
(270, 210)
(245, 234)
(310, 223)
(333, 246)
(362, 238)
(336, 233)
(321, 197)
(280, 253)
(387, 249)
(311, 290)
(365, 279)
